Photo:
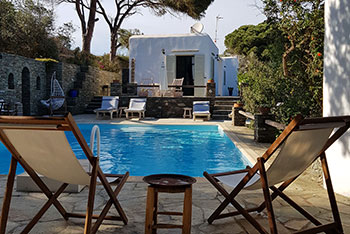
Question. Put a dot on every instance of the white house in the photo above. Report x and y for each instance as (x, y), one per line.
(193, 56)
(336, 87)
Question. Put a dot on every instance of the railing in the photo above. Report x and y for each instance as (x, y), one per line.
(139, 89)
(157, 86)
(247, 114)
(275, 124)
(269, 122)
(264, 126)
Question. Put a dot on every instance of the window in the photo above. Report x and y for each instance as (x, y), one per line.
(224, 77)
(38, 83)
(11, 81)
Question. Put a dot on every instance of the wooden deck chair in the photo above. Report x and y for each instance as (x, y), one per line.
(40, 146)
(300, 144)
(175, 88)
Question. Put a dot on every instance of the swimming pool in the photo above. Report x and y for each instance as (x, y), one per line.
(151, 149)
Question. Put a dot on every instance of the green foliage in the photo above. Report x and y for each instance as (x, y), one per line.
(264, 40)
(26, 29)
(281, 59)
(82, 58)
(104, 63)
(64, 36)
(193, 8)
(125, 34)
(259, 84)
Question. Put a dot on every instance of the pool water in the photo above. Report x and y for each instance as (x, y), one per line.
(151, 149)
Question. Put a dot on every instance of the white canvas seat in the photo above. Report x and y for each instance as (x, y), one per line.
(201, 109)
(136, 105)
(109, 105)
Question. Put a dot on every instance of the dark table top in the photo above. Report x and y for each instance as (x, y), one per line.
(169, 180)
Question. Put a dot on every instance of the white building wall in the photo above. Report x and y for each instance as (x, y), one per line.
(336, 86)
(230, 65)
(147, 52)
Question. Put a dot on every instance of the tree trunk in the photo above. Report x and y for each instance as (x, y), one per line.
(87, 43)
(284, 59)
(113, 51)
(87, 36)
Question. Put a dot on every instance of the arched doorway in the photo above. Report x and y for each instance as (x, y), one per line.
(26, 91)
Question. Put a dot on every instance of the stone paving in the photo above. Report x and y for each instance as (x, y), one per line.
(306, 191)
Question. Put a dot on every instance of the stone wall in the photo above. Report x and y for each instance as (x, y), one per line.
(88, 81)
(95, 83)
(17, 66)
(167, 107)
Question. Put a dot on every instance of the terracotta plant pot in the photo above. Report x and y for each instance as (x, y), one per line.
(238, 105)
(264, 110)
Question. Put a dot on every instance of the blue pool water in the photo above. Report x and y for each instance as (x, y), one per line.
(151, 149)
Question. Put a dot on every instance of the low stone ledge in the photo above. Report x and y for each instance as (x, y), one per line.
(26, 184)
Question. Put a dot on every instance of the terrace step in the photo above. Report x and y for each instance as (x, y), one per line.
(223, 107)
(219, 117)
(93, 104)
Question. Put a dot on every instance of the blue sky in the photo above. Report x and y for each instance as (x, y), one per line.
(235, 13)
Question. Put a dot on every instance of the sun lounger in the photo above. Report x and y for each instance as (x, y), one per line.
(300, 144)
(40, 146)
(136, 105)
(109, 105)
(201, 109)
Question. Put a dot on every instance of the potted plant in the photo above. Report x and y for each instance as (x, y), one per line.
(211, 80)
(264, 109)
(238, 104)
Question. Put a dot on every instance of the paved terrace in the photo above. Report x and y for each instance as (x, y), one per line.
(306, 191)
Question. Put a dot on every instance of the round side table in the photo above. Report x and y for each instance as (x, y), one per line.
(168, 183)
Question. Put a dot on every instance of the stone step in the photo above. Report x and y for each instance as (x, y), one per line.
(221, 112)
(220, 117)
(224, 102)
(223, 107)
(93, 104)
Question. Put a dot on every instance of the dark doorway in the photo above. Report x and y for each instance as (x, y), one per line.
(184, 69)
(26, 91)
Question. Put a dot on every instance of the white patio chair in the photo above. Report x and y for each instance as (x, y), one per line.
(136, 105)
(109, 105)
(202, 109)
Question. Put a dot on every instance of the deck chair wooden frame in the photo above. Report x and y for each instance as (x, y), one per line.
(55, 124)
(341, 124)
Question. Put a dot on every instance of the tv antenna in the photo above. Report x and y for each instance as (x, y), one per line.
(197, 28)
(218, 17)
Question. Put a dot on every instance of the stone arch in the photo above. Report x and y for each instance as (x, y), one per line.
(38, 83)
(26, 91)
(11, 81)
